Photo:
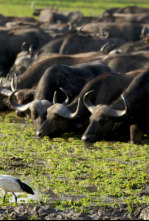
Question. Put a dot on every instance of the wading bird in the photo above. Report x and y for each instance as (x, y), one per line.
(13, 184)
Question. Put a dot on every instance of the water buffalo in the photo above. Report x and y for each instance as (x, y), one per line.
(35, 71)
(131, 109)
(50, 16)
(108, 14)
(125, 30)
(74, 41)
(71, 78)
(11, 43)
(125, 62)
(22, 62)
(74, 117)
(78, 43)
(4, 94)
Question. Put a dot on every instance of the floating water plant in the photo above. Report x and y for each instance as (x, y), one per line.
(68, 173)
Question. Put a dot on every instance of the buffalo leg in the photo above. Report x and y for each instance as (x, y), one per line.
(136, 134)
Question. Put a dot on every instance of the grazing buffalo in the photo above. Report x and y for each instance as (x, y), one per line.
(4, 94)
(79, 43)
(108, 15)
(131, 109)
(11, 43)
(22, 62)
(49, 16)
(74, 41)
(71, 79)
(74, 117)
(35, 71)
(123, 30)
(125, 62)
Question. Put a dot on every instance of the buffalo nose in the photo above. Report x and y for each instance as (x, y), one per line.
(38, 133)
(84, 138)
(87, 139)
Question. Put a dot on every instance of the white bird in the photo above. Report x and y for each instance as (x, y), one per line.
(13, 184)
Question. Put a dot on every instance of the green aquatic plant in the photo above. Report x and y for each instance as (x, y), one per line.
(69, 173)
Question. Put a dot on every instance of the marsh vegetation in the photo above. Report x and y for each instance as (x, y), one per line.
(67, 172)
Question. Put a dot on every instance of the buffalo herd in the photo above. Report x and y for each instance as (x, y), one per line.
(78, 74)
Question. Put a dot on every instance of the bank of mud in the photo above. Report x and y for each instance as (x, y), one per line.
(49, 212)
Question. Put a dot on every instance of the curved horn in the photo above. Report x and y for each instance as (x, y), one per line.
(104, 47)
(55, 97)
(65, 92)
(142, 35)
(104, 32)
(67, 114)
(5, 91)
(87, 102)
(14, 83)
(30, 51)
(19, 107)
(118, 113)
(124, 112)
(23, 46)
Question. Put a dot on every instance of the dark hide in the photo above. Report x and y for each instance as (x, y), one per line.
(106, 88)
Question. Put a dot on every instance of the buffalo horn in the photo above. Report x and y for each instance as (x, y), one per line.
(14, 83)
(5, 91)
(109, 111)
(104, 32)
(30, 51)
(17, 106)
(23, 46)
(87, 102)
(119, 113)
(104, 47)
(69, 115)
(143, 32)
(65, 92)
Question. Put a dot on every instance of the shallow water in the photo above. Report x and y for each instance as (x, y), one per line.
(35, 197)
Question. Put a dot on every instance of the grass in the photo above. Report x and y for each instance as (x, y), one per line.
(105, 173)
(87, 7)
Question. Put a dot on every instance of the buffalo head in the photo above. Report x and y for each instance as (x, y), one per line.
(36, 109)
(58, 120)
(102, 120)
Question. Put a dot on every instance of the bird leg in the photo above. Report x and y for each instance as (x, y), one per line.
(4, 198)
(15, 197)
